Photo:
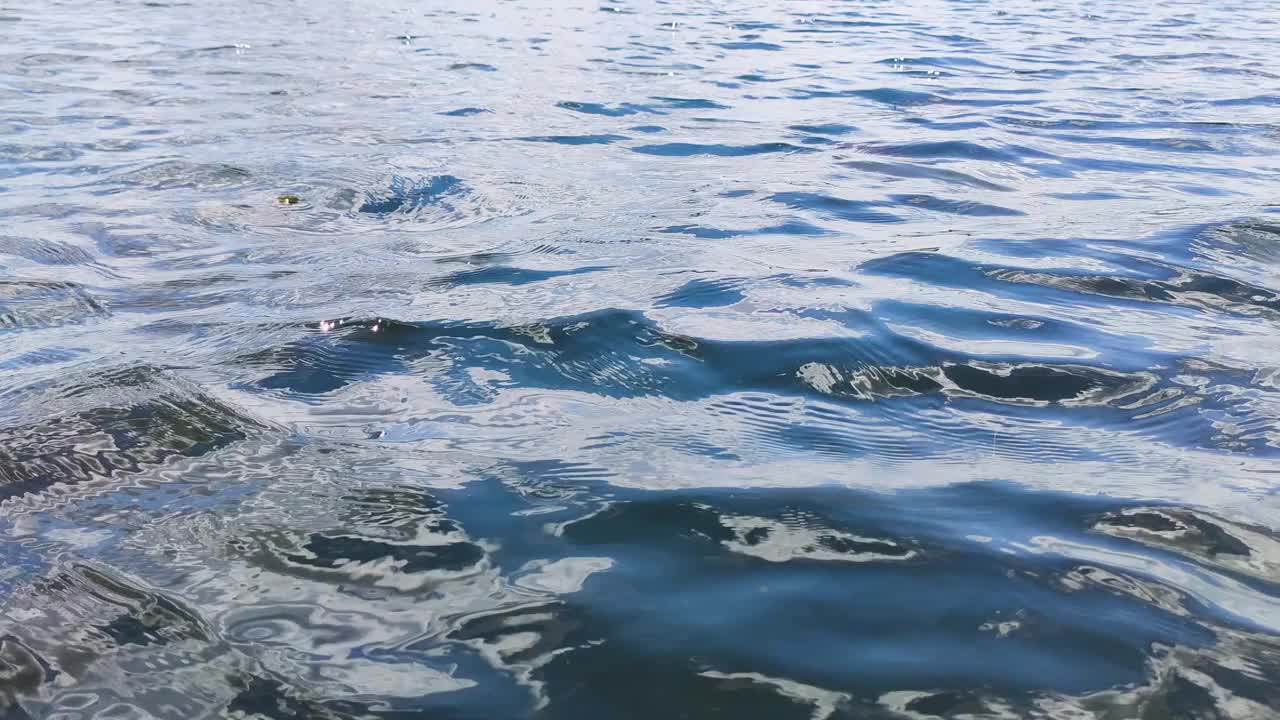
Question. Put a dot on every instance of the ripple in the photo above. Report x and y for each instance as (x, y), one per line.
(950, 177)
(1184, 287)
(957, 149)
(175, 174)
(1250, 550)
(574, 139)
(749, 45)
(834, 207)
(466, 112)
(954, 207)
(110, 422)
(704, 293)
(407, 196)
(639, 360)
(825, 129)
(46, 303)
(359, 556)
(485, 67)
(779, 542)
(45, 252)
(620, 110)
(693, 149)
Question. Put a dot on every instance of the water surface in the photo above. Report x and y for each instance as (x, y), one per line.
(639, 360)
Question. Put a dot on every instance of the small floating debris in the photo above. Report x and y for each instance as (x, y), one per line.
(288, 199)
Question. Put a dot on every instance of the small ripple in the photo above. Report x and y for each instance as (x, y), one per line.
(46, 303)
(484, 67)
(838, 208)
(777, 542)
(956, 149)
(792, 227)
(704, 294)
(465, 112)
(620, 110)
(574, 139)
(908, 170)
(824, 129)
(694, 149)
(749, 45)
(104, 423)
(407, 195)
(175, 174)
(954, 207)
(10, 153)
(1182, 287)
(1212, 541)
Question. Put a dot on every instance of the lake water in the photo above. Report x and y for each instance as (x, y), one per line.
(643, 359)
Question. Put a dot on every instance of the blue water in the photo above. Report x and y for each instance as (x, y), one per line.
(643, 359)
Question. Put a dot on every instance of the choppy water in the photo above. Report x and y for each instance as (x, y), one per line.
(639, 360)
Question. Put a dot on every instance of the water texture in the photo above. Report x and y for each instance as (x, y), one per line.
(877, 360)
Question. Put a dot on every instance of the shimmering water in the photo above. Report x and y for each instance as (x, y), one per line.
(639, 360)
